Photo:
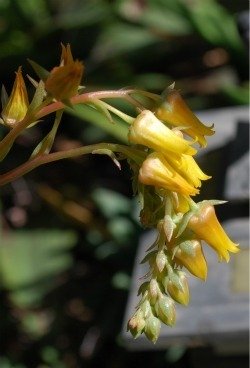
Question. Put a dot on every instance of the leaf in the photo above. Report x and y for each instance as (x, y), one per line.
(85, 112)
(30, 260)
(111, 203)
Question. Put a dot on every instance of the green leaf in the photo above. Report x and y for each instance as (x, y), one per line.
(119, 39)
(29, 261)
(111, 203)
(119, 130)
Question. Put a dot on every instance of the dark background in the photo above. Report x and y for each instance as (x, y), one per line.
(70, 229)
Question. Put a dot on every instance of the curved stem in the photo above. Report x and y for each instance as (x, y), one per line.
(82, 98)
(8, 140)
(23, 169)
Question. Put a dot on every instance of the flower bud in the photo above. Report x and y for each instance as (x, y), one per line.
(168, 227)
(190, 255)
(165, 310)
(153, 291)
(207, 227)
(177, 287)
(136, 324)
(174, 111)
(156, 171)
(63, 81)
(152, 328)
(151, 132)
(17, 104)
(160, 260)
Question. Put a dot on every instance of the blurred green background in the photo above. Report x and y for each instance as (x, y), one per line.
(69, 230)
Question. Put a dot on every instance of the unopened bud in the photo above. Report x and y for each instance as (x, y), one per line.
(177, 288)
(16, 106)
(152, 328)
(136, 324)
(160, 260)
(165, 310)
(153, 291)
(168, 227)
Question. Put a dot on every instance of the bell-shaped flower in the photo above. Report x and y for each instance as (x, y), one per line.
(189, 254)
(149, 131)
(16, 106)
(206, 226)
(156, 171)
(175, 111)
(64, 80)
(187, 167)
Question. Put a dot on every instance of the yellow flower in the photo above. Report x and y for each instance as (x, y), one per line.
(190, 255)
(17, 104)
(174, 111)
(64, 80)
(187, 167)
(151, 132)
(207, 227)
(180, 203)
(156, 171)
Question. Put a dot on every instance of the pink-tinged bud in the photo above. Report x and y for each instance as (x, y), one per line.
(157, 171)
(152, 328)
(175, 111)
(190, 255)
(165, 310)
(136, 324)
(207, 227)
(149, 131)
(17, 104)
(177, 287)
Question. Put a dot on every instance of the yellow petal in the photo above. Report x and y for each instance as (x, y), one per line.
(156, 171)
(175, 111)
(187, 167)
(207, 227)
(17, 105)
(151, 132)
(192, 258)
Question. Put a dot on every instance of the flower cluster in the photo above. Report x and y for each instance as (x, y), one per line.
(161, 149)
(167, 179)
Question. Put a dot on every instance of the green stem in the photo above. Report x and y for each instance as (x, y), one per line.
(56, 156)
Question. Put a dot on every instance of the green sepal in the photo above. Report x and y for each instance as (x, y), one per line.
(4, 97)
(39, 70)
(45, 145)
(108, 152)
(38, 97)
